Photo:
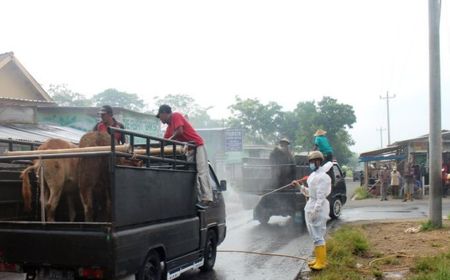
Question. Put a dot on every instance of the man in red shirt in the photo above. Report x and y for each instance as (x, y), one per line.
(178, 128)
(106, 113)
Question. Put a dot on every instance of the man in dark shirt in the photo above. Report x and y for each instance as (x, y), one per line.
(178, 128)
(106, 113)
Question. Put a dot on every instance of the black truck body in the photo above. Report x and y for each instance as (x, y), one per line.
(289, 201)
(155, 230)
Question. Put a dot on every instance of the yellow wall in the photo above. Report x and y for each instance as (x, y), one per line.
(14, 84)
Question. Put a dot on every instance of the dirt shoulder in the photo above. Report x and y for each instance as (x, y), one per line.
(385, 250)
(401, 239)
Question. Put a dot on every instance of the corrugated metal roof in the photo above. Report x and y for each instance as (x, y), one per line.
(39, 133)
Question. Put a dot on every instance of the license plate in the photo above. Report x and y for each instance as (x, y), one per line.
(56, 274)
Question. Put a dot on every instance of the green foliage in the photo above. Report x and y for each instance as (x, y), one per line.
(266, 123)
(343, 248)
(427, 226)
(260, 122)
(116, 98)
(63, 96)
(432, 268)
(362, 193)
(187, 105)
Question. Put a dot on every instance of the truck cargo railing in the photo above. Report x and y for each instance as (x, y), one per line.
(148, 153)
(159, 156)
(11, 144)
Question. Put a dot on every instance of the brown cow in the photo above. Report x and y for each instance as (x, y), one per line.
(94, 178)
(60, 175)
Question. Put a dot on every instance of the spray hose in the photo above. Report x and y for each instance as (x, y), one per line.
(263, 254)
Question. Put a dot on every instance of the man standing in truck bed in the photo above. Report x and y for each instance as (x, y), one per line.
(178, 128)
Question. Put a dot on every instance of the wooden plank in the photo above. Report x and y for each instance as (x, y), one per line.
(119, 148)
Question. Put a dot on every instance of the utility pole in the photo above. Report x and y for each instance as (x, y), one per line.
(434, 14)
(387, 97)
(381, 129)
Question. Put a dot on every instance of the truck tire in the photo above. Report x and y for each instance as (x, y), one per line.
(335, 207)
(263, 217)
(210, 252)
(151, 269)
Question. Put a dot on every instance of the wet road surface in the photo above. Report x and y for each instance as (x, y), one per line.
(282, 236)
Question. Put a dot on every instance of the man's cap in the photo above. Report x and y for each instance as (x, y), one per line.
(106, 109)
(285, 140)
(315, 155)
(320, 132)
(164, 109)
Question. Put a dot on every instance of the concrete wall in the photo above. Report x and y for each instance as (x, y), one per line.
(85, 118)
(17, 115)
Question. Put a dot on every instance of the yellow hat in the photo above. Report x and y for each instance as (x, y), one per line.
(320, 132)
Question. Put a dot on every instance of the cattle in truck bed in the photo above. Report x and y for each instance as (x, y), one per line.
(59, 175)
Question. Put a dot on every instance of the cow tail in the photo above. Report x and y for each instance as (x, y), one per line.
(26, 188)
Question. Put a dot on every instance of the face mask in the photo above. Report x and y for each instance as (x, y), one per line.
(312, 166)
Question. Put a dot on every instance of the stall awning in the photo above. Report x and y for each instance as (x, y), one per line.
(381, 158)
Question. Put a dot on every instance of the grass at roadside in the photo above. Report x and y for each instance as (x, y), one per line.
(344, 248)
(368, 251)
(361, 193)
(432, 268)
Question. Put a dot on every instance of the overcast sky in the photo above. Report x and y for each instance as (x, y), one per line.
(283, 51)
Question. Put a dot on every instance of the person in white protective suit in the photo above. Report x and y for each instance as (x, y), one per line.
(317, 208)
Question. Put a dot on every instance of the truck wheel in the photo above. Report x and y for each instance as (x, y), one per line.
(209, 255)
(263, 217)
(151, 269)
(336, 208)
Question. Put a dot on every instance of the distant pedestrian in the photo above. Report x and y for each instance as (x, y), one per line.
(395, 182)
(322, 144)
(384, 181)
(409, 181)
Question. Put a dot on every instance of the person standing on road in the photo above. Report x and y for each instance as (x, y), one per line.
(395, 182)
(384, 181)
(178, 128)
(322, 144)
(107, 116)
(409, 181)
(317, 208)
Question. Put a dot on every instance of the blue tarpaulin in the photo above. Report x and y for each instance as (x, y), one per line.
(380, 158)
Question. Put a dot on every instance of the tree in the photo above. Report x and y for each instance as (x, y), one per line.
(187, 105)
(116, 98)
(63, 96)
(260, 122)
(331, 116)
(267, 123)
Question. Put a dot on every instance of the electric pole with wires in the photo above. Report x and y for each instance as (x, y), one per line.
(387, 97)
(434, 14)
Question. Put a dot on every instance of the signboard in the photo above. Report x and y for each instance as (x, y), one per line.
(233, 139)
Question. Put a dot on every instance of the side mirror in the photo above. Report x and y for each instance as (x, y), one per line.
(223, 185)
(344, 174)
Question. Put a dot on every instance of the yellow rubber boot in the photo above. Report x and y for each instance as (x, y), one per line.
(313, 262)
(321, 258)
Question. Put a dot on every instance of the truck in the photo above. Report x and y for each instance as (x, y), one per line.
(155, 230)
(289, 201)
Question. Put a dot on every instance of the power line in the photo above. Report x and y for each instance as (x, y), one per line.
(381, 129)
(387, 98)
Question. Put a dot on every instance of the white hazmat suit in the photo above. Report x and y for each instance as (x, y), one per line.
(317, 208)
